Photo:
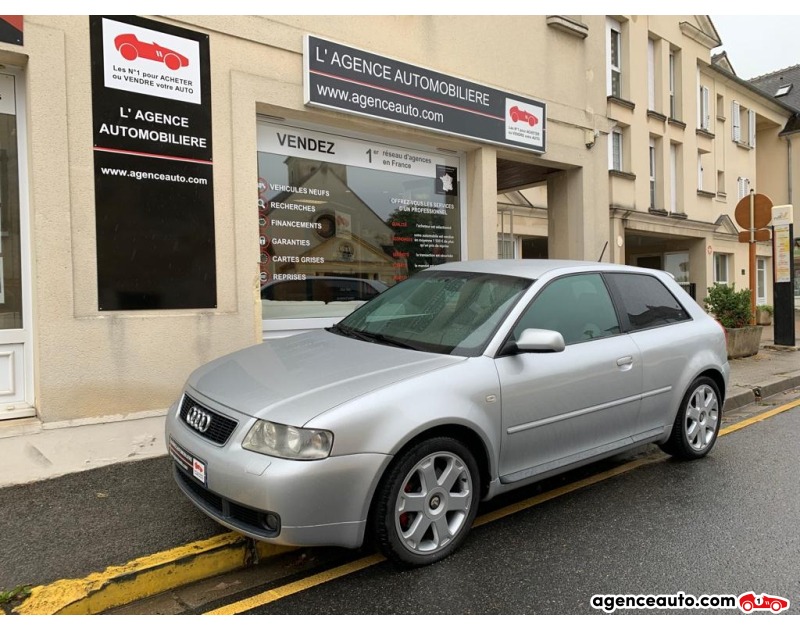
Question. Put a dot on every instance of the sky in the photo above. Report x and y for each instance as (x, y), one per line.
(759, 44)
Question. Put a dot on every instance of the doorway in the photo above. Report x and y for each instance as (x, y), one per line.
(16, 360)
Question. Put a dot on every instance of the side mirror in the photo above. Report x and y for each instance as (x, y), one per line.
(539, 340)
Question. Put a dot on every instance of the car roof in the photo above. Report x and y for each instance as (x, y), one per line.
(532, 269)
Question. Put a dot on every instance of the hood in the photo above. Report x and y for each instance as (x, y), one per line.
(293, 379)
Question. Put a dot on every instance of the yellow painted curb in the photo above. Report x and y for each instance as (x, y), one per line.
(143, 577)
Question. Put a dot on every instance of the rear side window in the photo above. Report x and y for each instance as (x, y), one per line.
(645, 300)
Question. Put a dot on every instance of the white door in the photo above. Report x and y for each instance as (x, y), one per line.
(761, 281)
(16, 369)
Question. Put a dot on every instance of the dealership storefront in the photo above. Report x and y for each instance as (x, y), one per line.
(185, 191)
(343, 217)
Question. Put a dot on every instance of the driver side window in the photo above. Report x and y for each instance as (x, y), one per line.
(578, 307)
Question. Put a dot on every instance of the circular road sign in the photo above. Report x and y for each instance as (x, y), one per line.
(762, 211)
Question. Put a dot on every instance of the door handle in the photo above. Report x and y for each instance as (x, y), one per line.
(624, 361)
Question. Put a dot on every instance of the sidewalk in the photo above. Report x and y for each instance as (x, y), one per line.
(71, 526)
(774, 369)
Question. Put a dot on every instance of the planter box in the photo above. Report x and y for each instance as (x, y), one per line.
(763, 318)
(743, 342)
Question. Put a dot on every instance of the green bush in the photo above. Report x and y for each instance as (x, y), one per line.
(729, 306)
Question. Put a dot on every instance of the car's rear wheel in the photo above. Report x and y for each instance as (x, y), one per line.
(426, 502)
(697, 423)
(747, 606)
(514, 117)
(172, 62)
(128, 51)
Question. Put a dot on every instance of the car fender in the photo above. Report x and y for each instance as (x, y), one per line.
(704, 360)
(466, 394)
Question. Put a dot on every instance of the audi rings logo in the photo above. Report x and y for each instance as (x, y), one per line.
(198, 419)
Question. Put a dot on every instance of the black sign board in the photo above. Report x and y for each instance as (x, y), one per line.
(11, 29)
(358, 82)
(154, 194)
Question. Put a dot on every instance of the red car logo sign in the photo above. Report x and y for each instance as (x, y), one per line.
(750, 602)
(131, 49)
(520, 115)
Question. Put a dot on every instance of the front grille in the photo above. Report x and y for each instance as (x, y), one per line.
(220, 428)
(239, 516)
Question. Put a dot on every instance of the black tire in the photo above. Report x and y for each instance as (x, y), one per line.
(678, 443)
(384, 529)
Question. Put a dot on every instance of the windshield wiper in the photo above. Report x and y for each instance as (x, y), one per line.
(371, 337)
(348, 332)
(389, 341)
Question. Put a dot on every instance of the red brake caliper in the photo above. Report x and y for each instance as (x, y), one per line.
(405, 517)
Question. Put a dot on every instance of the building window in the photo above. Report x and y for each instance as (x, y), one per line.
(743, 187)
(615, 162)
(506, 247)
(720, 107)
(652, 173)
(335, 230)
(614, 37)
(651, 75)
(720, 182)
(721, 262)
(705, 119)
(673, 113)
(783, 90)
(736, 121)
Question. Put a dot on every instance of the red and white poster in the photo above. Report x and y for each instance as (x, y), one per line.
(150, 62)
(524, 123)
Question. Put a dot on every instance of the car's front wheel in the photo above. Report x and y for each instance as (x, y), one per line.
(697, 423)
(426, 502)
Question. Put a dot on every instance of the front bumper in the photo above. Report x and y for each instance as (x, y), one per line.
(323, 502)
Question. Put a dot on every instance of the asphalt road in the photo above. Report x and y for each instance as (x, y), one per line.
(73, 525)
(727, 524)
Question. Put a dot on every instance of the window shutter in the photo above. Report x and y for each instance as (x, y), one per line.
(673, 177)
(751, 127)
(736, 125)
(617, 142)
(651, 74)
(706, 113)
(699, 174)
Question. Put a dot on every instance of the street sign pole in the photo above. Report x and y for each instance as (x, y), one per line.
(752, 257)
(753, 213)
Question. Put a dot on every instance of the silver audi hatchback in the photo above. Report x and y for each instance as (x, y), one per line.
(464, 381)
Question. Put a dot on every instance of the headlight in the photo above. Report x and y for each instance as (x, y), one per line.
(288, 442)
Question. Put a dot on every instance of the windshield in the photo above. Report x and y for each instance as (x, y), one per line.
(449, 312)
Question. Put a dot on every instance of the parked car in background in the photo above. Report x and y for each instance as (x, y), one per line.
(463, 382)
(322, 289)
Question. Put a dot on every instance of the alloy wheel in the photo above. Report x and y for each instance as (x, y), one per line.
(433, 503)
(702, 417)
